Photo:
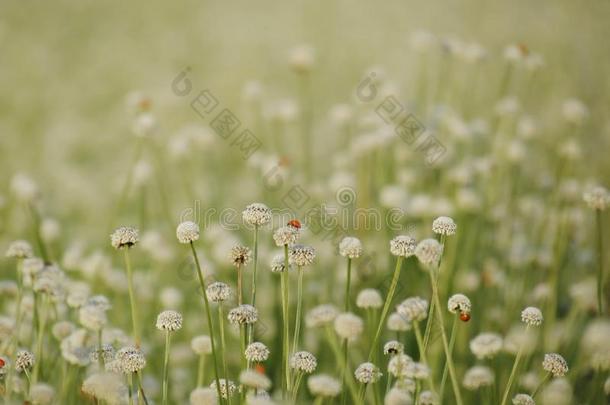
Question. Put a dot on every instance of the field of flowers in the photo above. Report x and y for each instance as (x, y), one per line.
(305, 203)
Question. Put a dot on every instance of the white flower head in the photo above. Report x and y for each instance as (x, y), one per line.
(125, 236)
(598, 198)
(367, 373)
(348, 326)
(369, 298)
(322, 385)
(429, 252)
(187, 232)
(350, 247)
(555, 364)
(486, 345)
(256, 214)
(413, 309)
(304, 362)
(169, 320)
(201, 344)
(218, 292)
(532, 316)
(243, 314)
(286, 235)
(459, 303)
(257, 352)
(20, 249)
(444, 226)
(403, 246)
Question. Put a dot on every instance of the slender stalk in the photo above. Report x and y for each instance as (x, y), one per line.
(285, 349)
(255, 265)
(439, 315)
(201, 369)
(422, 353)
(319, 400)
(132, 299)
(295, 389)
(130, 388)
(42, 320)
(339, 358)
(344, 372)
(445, 368)
(100, 350)
(242, 341)
(297, 321)
(540, 385)
(347, 285)
(386, 307)
(209, 317)
(600, 263)
(513, 373)
(240, 299)
(141, 388)
(223, 345)
(166, 367)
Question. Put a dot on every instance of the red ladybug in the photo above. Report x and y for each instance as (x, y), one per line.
(2, 363)
(260, 368)
(464, 317)
(295, 223)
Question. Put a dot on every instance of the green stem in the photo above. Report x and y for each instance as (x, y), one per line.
(223, 345)
(255, 265)
(347, 285)
(209, 317)
(439, 315)
(285, 313)
(166, 367)
(513, 373)
(600, 263)
(240, 299)
(422, 353)
(345, 371)
(386, 307)
(540, 385)
(339, 358)
(445, 368)
(132, 299)
(297, 321)
(100, 358)
(39, 338)
(130, 388)
(201, 368)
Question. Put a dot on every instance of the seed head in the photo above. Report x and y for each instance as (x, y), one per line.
(254, 379)
(393, 347)
(301, 255)
(92, 317)
(486, 345)
(531, 316)
(555, 364)
(286, 235)
(597, 198)
(304, 362)
(348, 326)
(169, 320)
(523, 399)
(350, 247)
(218, 292)
(413, 309)
(397, 366)
(403, 246)
(240, 255)
(130, 360)
(459, 303)
(477, 377)
(243, 314)
(321, 315)
(257, 352)
(125, 236)
(19, 249)
(369, 298)
(429, 252)
(227, 388)
(256, 214)
(278, 264)
(187, 232)
(322, 385)
(201, 344)
(24, 361)
(367, 373)
(444, 226)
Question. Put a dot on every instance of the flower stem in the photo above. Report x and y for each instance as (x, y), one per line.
(540, 385)
(132, 299)
(209, 317)
(386, 307)
(285, 314)
(42, 320)
(201, 369)
(223, 345)
(347, 285)
(345, 370)
(422, 352)
(339, 358)
(439, 315)
(513, 373)
(130, 388)
(166, 367)
(255, 265)
(297, 321)
(600, 263)
(446, 369)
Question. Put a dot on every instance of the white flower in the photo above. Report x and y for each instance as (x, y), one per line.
(477, 377)
(350, 247)
(301, 255)
(256, 214)
(348, 326)
(254, 379)
(321, 315)
(19, 249)
(367, 373)
(187, 232)
(555, 364)
(444, 226)
(286, 235)
(303, 361)
(243, 314)
(203, 396)
(169, 320)
(322, 385)
(403, 246)
(486, 345)
(125, 236)
(523, 399)
(369, 298)
(429, 252)
(532, 316)
(459, 303)
(201, 344)
(218, 292)
(398, 323)
(130, 360)
(413, 309)
(24, 360)
(597, 198)
(257, 352)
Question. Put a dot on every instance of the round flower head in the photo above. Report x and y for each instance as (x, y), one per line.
(367, 373)
(523, 399)
(397, 366)
(398, 323)
(429, 252)
(403, 246)
(350, 247)
(531, 316)
(256, 214)
(286, 235)
(203, 396)
(597, 198)
(92, 317)
(106, 353)
(23, 361)
(169, 320)
(393, 347)
(322, 385)
(19, 249)
(187, 232)
(226, 388)
(413, 309)
(321, 315)
(243, 314)
(130, 360)
(427, 398)
(397, 396)
(417, 371)
(278, 264)
(201, 344)
(304, 362)
(240, 255)
(218, 292)
(257, 352)
(555, 364)
(254, 379)
(369, 298)
(42, 394)
(302, 59)
(348, 326)
(301, 255)
(444, 226)
(124, 236)
(486, 345)
(459, 303)
(477, 377)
